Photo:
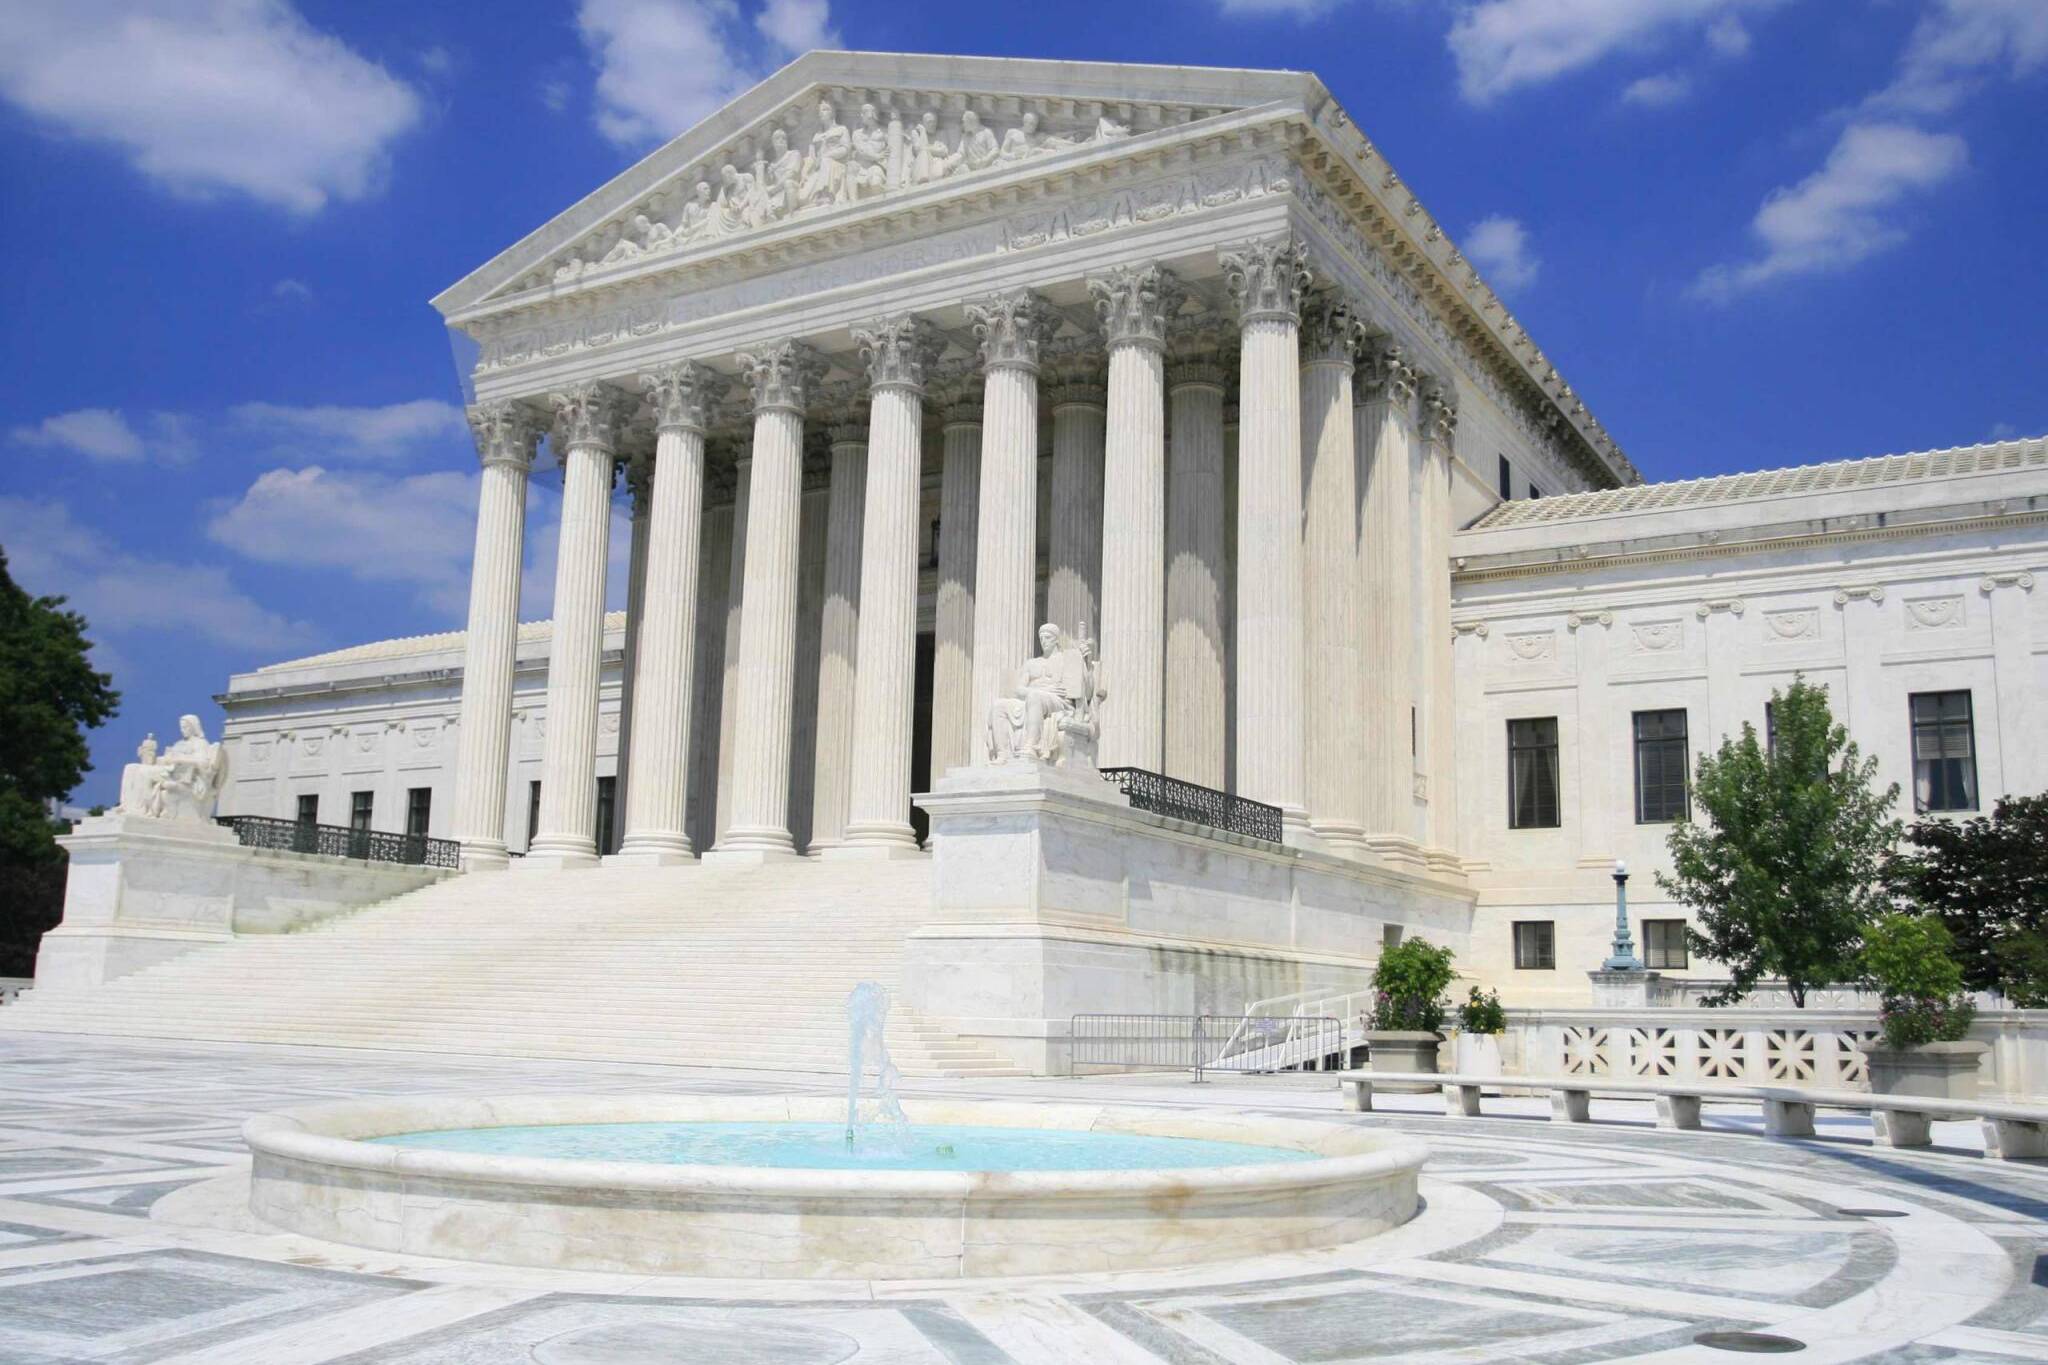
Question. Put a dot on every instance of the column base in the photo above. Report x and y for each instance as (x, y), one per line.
(749, 857)
(859, 851)
(484, 855)
(1444, 861)
(1341, 838)
(1396, 850)
(554, 855)
(664, 851)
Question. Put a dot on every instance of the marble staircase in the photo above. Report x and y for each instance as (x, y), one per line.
(743, 966)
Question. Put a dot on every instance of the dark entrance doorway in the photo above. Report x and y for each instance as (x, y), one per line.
(921, 731)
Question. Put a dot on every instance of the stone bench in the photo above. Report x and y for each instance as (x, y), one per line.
(2011, 1131)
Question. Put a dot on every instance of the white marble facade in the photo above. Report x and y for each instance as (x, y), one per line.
(908, 355)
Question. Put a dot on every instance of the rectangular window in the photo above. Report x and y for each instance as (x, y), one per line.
(419, 808)
(532, 811)
(1532, 773)
(1664, 945)
(359, 805)
(607, 794)
(1660, 767)
(1535, 945)
(1944, 752)
(309, 808)
(1390, 936)
(1507, 479)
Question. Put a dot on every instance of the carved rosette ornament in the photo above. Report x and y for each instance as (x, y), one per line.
(1010, 328)
(587, 415)
(682, 395)
(506, 432)
(1384, 374)
(1137, 303)
(1439, 412)
(781, 375)
(1268, 279)
(899, 351)
(1332, 329)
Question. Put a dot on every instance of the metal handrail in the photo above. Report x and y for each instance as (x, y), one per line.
(1179, 800)
(342, 841)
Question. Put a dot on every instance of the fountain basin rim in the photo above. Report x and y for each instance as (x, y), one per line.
(328, 1135)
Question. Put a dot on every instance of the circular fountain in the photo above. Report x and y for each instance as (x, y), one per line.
(685, 1185)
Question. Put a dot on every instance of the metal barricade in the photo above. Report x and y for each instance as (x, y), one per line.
(1199, 1043)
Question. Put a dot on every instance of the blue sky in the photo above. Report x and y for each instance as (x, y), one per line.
(1750, 232)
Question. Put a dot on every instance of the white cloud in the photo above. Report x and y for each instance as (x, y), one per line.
(1656, 92)
(1728, 37)
(1958, 44)
(1300, 9)
(209, 96)
(104, 435)
(291, 291)
(1499, 246)
(664, 64)
(1504, 45)
(554, 94)
(120, 592)
(1837, 216)
(393, 432)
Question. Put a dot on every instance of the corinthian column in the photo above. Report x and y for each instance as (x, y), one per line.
(1196, 513)
(585, 418)
(655, 798)
(729, 652)
(1384, 387)
(505, 438)
(839, 635)
(1010, 327)
(780, 376)
(1437, 747)
(898, 352)
(1135, 303)
(640, 487)
(1267, 280)
(1073, 589)
(1331, 645)
(953, 655)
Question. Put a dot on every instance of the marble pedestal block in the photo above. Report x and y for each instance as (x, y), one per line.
(1052, 898)
(1622, 990)
(1942, 1071)
(142, 891)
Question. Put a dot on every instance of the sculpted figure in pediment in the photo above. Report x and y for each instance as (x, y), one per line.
(734, 210)
(826, 164)
(926, 152)
(696, 218)
(1023, 141)
(780, 176)
(979, 149)
(869, 168)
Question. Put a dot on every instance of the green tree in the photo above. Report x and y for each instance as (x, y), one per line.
(50, 696)
(1786, 871)
(1987, 880)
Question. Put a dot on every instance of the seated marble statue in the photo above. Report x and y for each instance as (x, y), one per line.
(1051, 715)
(182, 783)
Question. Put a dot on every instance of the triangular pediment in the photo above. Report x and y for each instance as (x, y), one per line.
(890, 127)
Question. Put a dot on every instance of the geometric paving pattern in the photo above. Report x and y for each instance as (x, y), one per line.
(122, 1239)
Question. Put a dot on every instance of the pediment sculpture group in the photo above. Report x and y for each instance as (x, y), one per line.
(842, 165)
(1052, 714)
(182, 782)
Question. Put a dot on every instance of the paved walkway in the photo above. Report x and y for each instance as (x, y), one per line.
(122, 1239)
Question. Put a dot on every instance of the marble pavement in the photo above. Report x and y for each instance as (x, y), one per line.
(122, 1240)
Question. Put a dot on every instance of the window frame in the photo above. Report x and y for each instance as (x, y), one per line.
(1967, 723)
(1516, 751)
(307, 811)
(1507, 480)
(1544, 961)
(1684, 949)
(419, 811)
(362, 810)
(1682, 742)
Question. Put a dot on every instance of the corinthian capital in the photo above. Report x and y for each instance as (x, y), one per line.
(1439, 411)
(1136, 303)
(1010, 327)
(1385, 374)
(682, 395)
(1267, 278)
(781, 375)
(1332, 329)
(506, 432)
(899, 351)
(587, 415)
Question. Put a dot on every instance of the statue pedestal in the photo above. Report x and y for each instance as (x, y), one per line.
(1629, 990)
(139, 891)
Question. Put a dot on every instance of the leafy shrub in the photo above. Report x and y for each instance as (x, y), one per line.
(1909, 960)
(1482, 1013)
(1410, 981)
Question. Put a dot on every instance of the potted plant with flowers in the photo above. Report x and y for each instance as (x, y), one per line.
(1923, 1010)
(1408, 1008)
(1481, 1022)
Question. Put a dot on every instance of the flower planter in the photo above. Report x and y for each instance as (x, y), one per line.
(1476, 1054)
(1935, 1071)
(1403, 1051)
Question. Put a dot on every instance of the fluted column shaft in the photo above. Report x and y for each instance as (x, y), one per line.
(1335, 755)
(505, 437)
(953, 654)
(1074, 574)
(898, 353)
(1005, 574)
(1196, 513)
(714, 566)
(1268, 279)
(656, 796)
(1384, 386)
(640, 483)
(839, 637)
(1438, 745)
(568, 791)
(735, 626)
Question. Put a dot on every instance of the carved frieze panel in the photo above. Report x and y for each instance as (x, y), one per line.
(1788, 625)
(1532, 647)
(1934, 613)
(1656, 637)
